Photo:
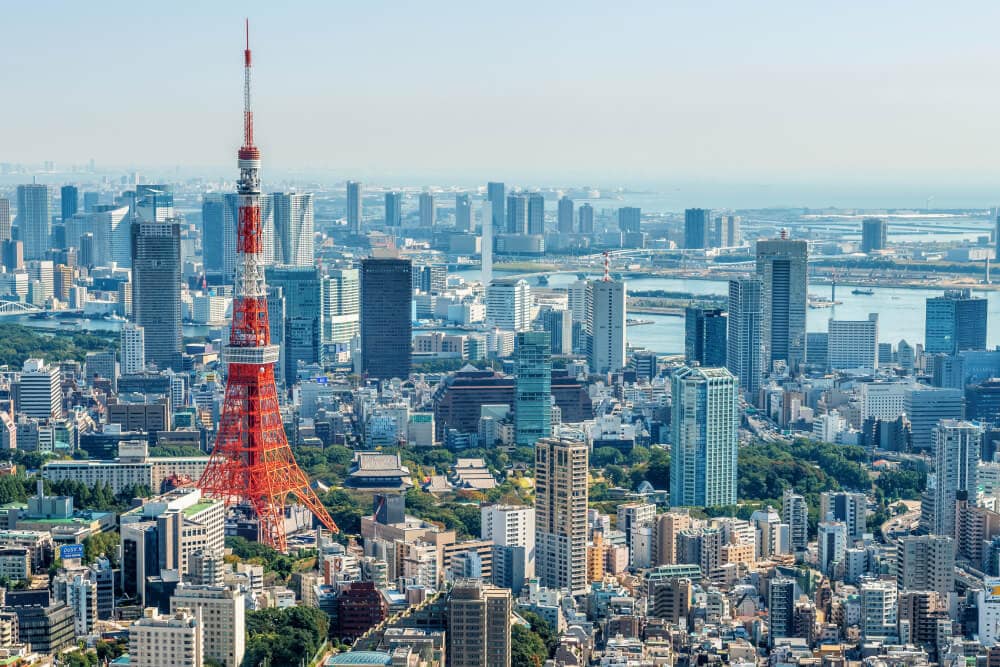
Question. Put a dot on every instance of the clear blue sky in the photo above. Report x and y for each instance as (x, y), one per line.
(743, 91)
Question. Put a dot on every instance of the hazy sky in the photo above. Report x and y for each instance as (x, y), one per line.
(902, 92)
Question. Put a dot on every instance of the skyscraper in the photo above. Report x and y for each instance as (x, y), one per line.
(874, 232)
(463, 212)
(302, 288)
(956, 457)
(486, 243)
(705, 336)
(628, 219)
(5, 231)
(533, 387)
(782, 267)
(353, 207)
(780, 609)
(926, 563)
(586, 214)
(727, 231)
(155, 202)
(341, 306)
(536, 213)
(606, 328)
(133, 349)
(427, 212)
(559, 325)
(386, 317)
(496, 197)
(293, 228)
(69, 201)
(517, 214)
(705, 427)
(795, 513)
(213, 221)
(508, 304)
(955, 322)
(34, 222)
(156, 290)
(393, 209)
(565, 216)
(849, 508)
(696, 228)
(561, 473)
(853, 343)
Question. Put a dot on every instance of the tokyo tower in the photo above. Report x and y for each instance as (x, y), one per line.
(252, 463)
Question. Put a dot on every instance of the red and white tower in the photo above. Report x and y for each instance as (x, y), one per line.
(252, 462)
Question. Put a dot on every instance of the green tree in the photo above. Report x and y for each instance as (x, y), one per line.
(526, 648)
(604, 456)
(101, 544)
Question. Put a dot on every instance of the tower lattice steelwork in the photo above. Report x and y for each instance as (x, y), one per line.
(252, 463)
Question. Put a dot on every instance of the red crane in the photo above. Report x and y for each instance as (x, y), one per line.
(252, 463)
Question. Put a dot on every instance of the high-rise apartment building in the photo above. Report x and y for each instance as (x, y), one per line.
(39, 390)
(508, 304)
(782, 267)
(697, 232)
(354, 195)
(533, 387)
(34, 221)
(426, 209)
(479, 625)
(223, 615)
(69, 201)
(393, 209)
(341, 306)
(925, 407)
(5, 220)
(302, 289)
(536, 213)
(517, 214)
(705, 428)
(386, 317)
(727, 232)
(874, 233)
(213, 225)
(497, 198)
(176, 640)
(780, 609)
(606, 327)
(853, 343)
(564, 220)
(293, 229)
(586, 218)
(795, 513)
(705, 336)
(956, 457)
(849, 508)
(629, 218)
(955, 322)
(510, 526)
(133, 348)
(831, 541)
(666, 529)
(156, 290)
(926, 563)
(561, 491)
(559, 325)
(878, 609)
(463, 212)
(744, 347)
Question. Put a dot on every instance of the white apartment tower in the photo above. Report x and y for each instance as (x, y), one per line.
(508, 305)
(853, 343)
(176, 640)
(511, 526)
(561, 476)
(705, 429)
(293, 228)
(223, 614)
(133, 349)
(606, 326)
(957, 445)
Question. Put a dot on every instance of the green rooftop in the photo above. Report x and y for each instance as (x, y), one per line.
(200, 507)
